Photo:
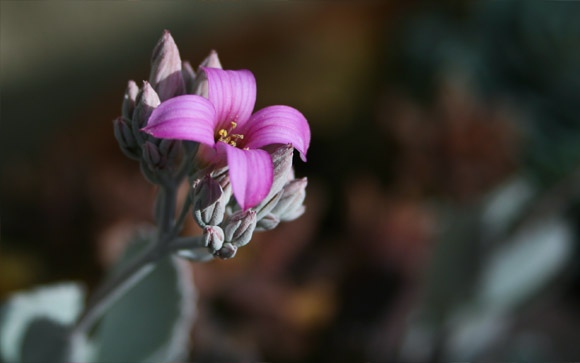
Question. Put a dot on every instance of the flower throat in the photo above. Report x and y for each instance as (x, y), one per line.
(227, 136)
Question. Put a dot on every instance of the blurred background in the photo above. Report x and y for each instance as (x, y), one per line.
(443, 202)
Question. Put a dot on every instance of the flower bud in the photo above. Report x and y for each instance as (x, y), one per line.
(190, 147)
(209, 201)
(240, 227)
(152, 157)
(213, 237)
(211, 61)
(200, 86)
(165, 74)
(227, 251)
(188, 76)
(290, 206)
(222, 176)
(129, 100)
(169, 150)
(125, 138)
(266, 206)
(282, 163)
(268, 222)
(147, 100)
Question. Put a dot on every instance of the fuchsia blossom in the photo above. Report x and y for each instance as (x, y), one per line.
(225, 122)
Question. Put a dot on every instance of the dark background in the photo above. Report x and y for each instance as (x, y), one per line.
(442, 208)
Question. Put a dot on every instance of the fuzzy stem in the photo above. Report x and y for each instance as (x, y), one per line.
(182, 215)
(115, 288)
(135, 271)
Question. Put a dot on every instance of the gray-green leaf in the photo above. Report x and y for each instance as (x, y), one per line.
(34, 324)
(151, 323)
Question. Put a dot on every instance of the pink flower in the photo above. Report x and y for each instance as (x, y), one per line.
(225, 122)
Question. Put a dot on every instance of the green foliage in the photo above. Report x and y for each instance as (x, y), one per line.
(34, 324)
(152, 321)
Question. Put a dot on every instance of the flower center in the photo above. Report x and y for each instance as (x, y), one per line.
(226, 135)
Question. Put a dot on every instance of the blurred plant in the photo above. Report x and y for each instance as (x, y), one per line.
(494, 257)
(178, 125)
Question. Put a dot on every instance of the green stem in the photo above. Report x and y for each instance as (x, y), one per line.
(135, 271)
(117, 287)
(167, 212)
(182, 215)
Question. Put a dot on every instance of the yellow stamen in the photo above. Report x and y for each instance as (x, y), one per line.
(230, 139)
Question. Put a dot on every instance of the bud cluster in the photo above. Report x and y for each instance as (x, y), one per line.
(169, 77)
(226, 227)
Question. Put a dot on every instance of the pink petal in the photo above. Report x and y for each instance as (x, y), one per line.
(277, 125)
(186, 117)
(233, 94)
(250, 174)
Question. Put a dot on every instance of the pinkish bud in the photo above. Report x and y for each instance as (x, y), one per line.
(165, 74)
(129, 100)
(209, 201)
(152, 163)
(282, 162)
(169, 149)
(188, 76)
(211, 61)
(290, 206)
(213, 237)
(151, 155)
(125, 138)
(227, 251)
(265, 207)
(267, 223)
(240, 227)
(147, 100)
(200, 86)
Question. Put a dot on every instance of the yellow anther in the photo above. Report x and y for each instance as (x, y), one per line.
(234, 125)
(233, 143)
(223, 133)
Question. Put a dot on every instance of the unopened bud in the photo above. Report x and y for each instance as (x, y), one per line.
(209, 201)
(188, 75)
(129, 100)
(190, 147)
(290, 206)
(200, 86)
(240, 227)
(165, 74)
(169, 149)
(211, 61)
(125, 138)
(227, 251)
(213, 237)
(267, 205)
(282, 163)
(267, 223)
(147, 101)
(223, 178)
(151, 156)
